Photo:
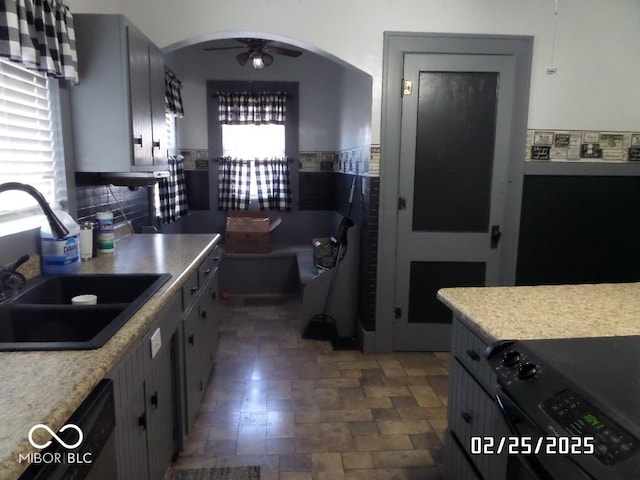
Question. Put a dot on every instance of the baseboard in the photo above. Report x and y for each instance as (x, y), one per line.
(366, 339)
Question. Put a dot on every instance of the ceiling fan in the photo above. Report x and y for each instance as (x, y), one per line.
(259, 51)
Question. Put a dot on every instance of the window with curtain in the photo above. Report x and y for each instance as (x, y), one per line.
(29, 145)
(254, 165)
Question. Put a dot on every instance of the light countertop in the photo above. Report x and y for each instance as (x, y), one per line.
(47, 387)
(548, 311)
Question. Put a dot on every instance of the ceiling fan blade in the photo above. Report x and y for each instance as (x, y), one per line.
(243, 58)
(267, 59)
(288, 52)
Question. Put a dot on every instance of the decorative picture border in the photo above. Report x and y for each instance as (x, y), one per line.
(582, 145)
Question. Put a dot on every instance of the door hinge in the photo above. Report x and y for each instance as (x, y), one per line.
(406, 87)
(397, 312)
(402, 203)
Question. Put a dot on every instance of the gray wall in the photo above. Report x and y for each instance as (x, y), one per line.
(335, 100)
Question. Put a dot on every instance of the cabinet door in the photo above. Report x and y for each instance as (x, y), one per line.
(211, 321)
(160, 418)
(140, 97)
(131, 435)
(194, 383)
(472, 413)
(158, 106)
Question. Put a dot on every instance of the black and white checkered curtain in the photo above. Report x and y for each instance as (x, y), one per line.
(274, 184)
(263, 108)
(39, 34)
(173, 192)
(172, 94)
(234, 184)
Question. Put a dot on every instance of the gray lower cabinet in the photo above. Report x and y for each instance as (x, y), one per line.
(145, 402)
(157, 397)
(472, 410)
(211, 317)
(200, 335)
(194, 374)
(131, 439)
(159, 411)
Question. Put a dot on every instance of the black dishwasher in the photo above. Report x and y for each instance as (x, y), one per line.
(95, 457)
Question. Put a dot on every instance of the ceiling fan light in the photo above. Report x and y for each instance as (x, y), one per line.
(257, 62)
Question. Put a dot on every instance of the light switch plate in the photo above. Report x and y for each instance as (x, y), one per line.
(156, 342)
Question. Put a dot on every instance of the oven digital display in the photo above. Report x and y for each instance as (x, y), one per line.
(594, 421)
(579, 418)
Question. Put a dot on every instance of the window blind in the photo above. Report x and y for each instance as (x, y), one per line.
(28, 142)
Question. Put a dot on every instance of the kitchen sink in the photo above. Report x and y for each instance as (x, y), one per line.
(43, 318)
(109, 288)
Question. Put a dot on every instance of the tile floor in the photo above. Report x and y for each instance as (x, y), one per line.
(305, 412)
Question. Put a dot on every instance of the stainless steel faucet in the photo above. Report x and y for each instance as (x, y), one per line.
(57, 227)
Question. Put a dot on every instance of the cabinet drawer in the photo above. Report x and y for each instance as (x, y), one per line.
(208, 266)
(473, 412)
(469, 349)
(456, 463)
(189, 291)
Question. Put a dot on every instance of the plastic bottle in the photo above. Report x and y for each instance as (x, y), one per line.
(60, 255)
(86, 240)
(106, 237)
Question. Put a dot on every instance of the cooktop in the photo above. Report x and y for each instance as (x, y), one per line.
(606, 368)
(587, 387)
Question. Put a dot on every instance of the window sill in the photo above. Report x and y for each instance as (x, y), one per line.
(24, 224)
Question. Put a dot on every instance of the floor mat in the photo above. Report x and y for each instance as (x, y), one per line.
(222, 473)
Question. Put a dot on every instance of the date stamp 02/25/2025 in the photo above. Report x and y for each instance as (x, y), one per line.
(488, 445)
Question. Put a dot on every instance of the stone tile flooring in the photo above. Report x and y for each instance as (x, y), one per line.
(305, 412)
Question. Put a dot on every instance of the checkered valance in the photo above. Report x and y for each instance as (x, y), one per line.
(172, 94)
(238, 108)
(39, 34)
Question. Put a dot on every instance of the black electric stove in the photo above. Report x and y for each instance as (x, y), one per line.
(580, 387)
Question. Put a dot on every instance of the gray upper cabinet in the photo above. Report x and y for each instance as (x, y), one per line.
(118, 109)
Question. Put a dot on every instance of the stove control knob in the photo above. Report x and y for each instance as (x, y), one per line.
(527, 371)
(511, 358)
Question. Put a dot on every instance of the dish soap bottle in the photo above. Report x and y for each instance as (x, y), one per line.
(60, 255)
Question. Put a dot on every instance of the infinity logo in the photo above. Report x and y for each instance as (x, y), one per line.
(53, 434)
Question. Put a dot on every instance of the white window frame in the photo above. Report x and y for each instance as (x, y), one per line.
(38, 150)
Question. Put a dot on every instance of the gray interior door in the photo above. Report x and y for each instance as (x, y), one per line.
(454, 158)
